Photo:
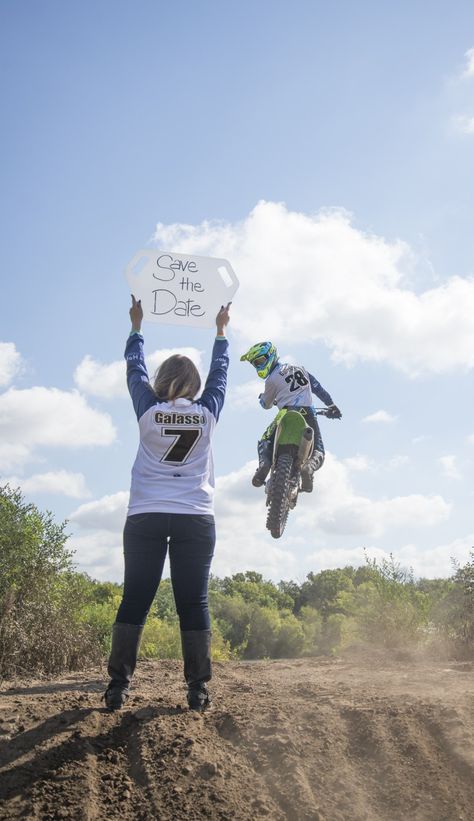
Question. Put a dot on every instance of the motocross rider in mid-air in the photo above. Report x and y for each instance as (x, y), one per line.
(287, 387)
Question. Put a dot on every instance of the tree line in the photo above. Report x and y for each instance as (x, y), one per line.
(53, 618)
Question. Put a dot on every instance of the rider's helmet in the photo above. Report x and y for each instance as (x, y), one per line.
(263, 356)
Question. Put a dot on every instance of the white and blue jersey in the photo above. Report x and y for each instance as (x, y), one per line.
(173, 471)
(292, 386)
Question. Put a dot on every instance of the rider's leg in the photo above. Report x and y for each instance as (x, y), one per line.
(265, 453)
(317, 457)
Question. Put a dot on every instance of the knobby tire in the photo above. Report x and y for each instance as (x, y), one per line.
(279, 503)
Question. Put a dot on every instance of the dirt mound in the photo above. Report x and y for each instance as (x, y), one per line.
(336, 740)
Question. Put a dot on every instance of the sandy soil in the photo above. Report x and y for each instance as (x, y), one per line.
(360, 739)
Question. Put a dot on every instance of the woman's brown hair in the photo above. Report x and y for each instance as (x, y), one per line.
(177, 377)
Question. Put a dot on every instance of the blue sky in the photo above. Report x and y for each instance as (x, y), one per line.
(327, 151)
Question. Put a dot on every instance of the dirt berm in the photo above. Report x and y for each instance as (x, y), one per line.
(359, 738)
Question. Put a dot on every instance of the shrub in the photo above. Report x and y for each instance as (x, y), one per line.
(40, 596)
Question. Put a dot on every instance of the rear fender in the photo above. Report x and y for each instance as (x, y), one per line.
(289, 433)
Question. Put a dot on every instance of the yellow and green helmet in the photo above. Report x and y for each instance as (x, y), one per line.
(263, 356)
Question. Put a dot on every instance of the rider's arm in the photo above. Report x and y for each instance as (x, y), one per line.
(319, 391)
(267, 398)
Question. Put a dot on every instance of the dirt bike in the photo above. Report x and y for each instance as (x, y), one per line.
(293, 447)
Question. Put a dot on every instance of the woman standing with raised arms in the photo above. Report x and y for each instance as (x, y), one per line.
(171, 507)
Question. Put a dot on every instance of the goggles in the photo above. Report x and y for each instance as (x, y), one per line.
(259, 362)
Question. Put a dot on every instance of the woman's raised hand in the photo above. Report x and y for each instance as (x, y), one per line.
(136, 314)
(222, 319)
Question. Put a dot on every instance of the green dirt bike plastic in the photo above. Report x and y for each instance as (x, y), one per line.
(293, 446)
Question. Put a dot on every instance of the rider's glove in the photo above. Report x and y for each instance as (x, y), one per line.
(333, 412)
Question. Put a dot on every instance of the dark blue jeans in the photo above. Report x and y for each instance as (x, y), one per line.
(146, 539)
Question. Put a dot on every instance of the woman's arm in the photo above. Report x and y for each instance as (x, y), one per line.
(143, 395)
(213, 394)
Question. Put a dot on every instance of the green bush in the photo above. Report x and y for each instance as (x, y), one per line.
(41, 630)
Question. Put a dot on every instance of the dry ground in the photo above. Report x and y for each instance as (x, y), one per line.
(357, 739)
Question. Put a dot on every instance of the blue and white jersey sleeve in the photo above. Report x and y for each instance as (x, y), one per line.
(267, 398)
(213, 394)
(143, 395)
(319, 391)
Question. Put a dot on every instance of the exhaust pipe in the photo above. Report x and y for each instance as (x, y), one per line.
(305, 446)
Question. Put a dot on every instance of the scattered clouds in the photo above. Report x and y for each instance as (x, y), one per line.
(107, 513)
(464, 124)
(13, 456)
(340, 510)
(359, 463)
(398, 461)
(357, 299)
(48, 417)
(11, 362)
(469, 67)
(245, 396)
(109, 380)
(436, 561)
(60, 482)
(99, 553)
(330, 520)
(449, 466)
(380, 416)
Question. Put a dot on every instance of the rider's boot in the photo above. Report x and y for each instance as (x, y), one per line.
(122, 663)
(309, 469)
(196, 646)
(264, 448)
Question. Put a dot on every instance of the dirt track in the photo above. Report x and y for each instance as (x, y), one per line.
(303, 740)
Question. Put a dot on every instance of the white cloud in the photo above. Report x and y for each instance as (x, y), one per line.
(60, 482)
(332, 512)
(48, 417)
(436, 561)
(245, 396)
(334, 283)
(469, 68)
(10, 362)
(242, 539)
(13, 456)
(107, 513)
(340, 509)
(398, 461)
(450, 469)
(98, 553)
(109, 380)
(470, 439)
(359, 463)
(380, 416)
(464, 124)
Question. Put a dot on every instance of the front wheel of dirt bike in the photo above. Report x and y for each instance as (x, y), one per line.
(279, 505)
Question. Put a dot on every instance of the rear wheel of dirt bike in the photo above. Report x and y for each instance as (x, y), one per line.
(280, 499)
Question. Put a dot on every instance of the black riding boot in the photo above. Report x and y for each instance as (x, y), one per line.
(122, 663)
(264, 449)
(311, 466)
(196, 646)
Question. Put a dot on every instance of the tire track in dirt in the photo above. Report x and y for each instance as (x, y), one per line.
(309, 740)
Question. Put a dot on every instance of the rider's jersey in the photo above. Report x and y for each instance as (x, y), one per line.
(292, 386)
(173, 471)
